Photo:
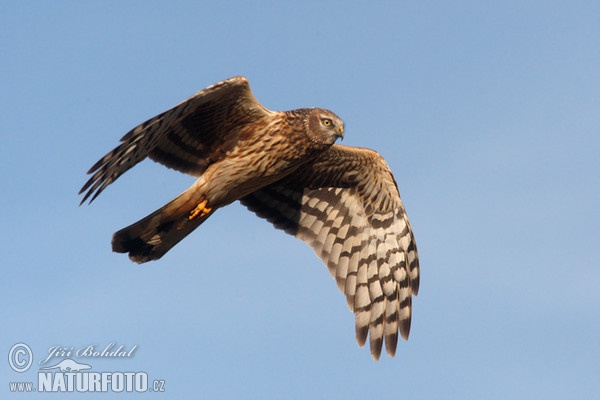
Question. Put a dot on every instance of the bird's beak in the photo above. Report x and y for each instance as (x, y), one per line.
(341, 132)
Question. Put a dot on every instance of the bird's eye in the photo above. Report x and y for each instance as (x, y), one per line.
(327, 122)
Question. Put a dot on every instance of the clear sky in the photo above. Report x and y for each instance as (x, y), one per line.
(488, 114)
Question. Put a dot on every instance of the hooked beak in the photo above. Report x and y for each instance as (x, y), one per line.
(340, 133)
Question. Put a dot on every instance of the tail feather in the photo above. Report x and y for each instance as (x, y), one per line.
(153, 236)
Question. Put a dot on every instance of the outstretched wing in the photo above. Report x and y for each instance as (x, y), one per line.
(188, 137)
(347, 207)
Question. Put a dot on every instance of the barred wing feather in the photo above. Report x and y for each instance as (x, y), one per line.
(346, 206)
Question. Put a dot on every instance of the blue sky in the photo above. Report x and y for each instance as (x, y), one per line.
(487, 113)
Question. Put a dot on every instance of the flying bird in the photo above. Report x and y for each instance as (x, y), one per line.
(284, 166)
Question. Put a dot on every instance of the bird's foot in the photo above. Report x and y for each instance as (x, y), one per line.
(200, 211)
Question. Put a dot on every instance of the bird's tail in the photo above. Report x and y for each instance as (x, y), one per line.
(153, 236)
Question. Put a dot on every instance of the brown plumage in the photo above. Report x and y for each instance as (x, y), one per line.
(285, 167)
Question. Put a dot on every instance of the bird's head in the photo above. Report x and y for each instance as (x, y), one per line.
(324, 126)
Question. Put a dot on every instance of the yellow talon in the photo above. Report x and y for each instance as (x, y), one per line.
(200, 211)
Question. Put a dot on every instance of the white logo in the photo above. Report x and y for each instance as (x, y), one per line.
(20, 357)
(68, 365)
(69, 375)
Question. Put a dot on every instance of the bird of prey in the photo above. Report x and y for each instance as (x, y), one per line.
(284, 166)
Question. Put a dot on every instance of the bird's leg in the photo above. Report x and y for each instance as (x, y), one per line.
(200, 211)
